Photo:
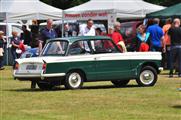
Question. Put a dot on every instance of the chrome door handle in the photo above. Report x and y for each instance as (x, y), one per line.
(96, 58)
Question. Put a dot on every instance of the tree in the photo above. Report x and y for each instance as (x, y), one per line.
(65, 4)
(164, 2)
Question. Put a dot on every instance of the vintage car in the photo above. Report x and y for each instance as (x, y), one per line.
(73, 61)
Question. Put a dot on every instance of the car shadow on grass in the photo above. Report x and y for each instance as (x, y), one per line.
(35, 90)
(177, 106)
(63, 89)
(107, 87)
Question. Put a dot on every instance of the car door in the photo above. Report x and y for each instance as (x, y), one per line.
(110, 63)
(83, 58)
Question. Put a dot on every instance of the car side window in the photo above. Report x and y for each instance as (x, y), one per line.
(79, 48)
(55, 48)
(103, 46)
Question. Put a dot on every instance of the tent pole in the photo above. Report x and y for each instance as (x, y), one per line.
(7, 41)
(62, 23)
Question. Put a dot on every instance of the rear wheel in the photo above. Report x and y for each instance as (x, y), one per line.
(120, 83)
(147, 77)
(74, 80)
(45, 85)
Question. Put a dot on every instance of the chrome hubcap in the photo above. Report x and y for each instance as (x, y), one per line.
(147, 77)
(75, 80)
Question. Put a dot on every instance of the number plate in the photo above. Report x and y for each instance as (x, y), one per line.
(31, 67)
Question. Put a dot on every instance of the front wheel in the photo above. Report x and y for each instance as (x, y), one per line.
(147, 76)
(74, 80)
(120, 83)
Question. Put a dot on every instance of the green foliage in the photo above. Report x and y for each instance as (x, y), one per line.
(164, 2)
(65, 4)
(78, 2)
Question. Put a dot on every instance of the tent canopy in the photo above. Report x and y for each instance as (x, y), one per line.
(173, 11)
(100, 9)
(27, 10)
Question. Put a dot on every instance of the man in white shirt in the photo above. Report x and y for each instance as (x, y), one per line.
(88, 30)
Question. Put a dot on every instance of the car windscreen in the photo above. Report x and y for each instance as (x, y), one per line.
(55, 48)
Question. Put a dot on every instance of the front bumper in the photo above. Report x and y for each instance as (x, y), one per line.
(160, 69)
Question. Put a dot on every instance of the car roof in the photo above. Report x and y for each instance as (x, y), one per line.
(74, 39)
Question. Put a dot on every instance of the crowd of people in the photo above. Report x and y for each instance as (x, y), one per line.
(149, 38)
(166, 40)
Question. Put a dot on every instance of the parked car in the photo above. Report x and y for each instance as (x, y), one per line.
(9, 27)
(73, 61)
(128, 31)
(30, 52)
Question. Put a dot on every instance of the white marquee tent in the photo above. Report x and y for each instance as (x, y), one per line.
(111, 9)
(12, 10)
(27, 10)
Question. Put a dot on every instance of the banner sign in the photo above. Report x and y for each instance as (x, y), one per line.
(87, 15)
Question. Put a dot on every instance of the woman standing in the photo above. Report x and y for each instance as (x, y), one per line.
(15, 41)
(142, 39)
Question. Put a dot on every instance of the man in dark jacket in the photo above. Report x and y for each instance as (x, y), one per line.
(48, 32)
(26, 36)
(175, 35)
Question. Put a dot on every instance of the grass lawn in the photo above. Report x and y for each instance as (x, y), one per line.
(96, 101)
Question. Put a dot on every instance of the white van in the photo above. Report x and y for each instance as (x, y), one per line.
(10, 27)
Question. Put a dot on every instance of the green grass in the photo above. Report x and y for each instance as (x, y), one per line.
(96, 101)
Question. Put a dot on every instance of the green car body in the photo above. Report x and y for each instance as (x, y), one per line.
(87, 59)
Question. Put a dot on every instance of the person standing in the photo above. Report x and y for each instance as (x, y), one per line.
(2, 41)
(143, 39)
(88, 30)
(99, 32)
(48, 32)
(166, 56)
(157, 36)
(175, 53)
(117, 37)
(26, 36)
(67, 31)
(15, 41)
(35, 34)
(110, 32)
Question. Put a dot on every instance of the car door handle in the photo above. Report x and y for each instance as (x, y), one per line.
(97, 58)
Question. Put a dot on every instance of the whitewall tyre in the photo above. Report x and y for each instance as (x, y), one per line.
(74, 80)
(147, 77)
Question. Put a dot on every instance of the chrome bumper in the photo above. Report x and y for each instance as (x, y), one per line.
(37, 75)
(160, 68)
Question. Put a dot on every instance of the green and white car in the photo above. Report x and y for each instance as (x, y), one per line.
(73, 61)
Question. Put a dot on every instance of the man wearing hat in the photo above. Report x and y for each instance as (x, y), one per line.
(1, 49)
